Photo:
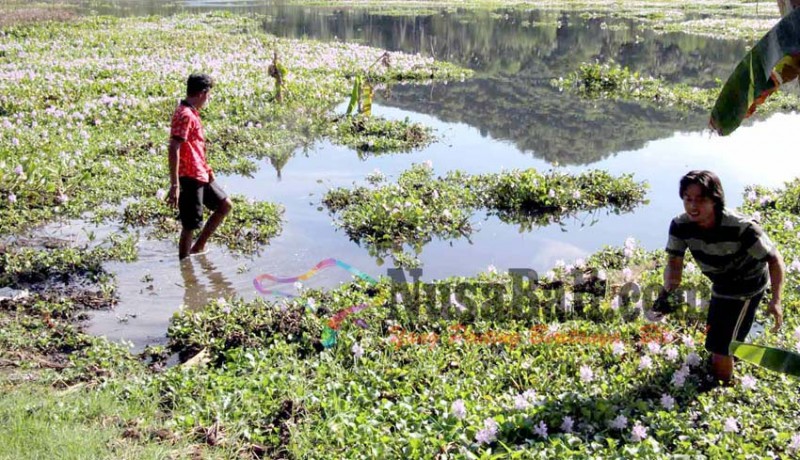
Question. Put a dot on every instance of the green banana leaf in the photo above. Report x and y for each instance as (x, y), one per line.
(774, 359)
(355, 95)
(773, 61)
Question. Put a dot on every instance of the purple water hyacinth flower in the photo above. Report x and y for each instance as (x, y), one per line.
(566, 424)
(679, 378)
(521, 403)
(587, 375)
(541, 429)
(458, 409)
(18, 170)
(533, 397)
(358, 352)
(12, 198)
(794, 446)
(489, 432)
(693, 359)
(667, 401)
(731, 425)
(619, 423)
(485, 437)
(639, 432)
(627, 274)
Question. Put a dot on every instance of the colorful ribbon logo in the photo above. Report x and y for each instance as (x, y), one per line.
(329, 333)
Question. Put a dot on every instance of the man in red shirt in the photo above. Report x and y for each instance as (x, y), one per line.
(192, 180)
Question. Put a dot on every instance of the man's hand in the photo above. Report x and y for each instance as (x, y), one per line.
(654, 316)
(172, 196)
(776, 310)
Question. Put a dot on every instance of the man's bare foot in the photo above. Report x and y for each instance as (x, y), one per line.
(198, 251)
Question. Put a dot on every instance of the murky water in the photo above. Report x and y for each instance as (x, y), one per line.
(508, 116)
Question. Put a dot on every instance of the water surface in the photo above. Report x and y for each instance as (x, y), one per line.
(508, 116)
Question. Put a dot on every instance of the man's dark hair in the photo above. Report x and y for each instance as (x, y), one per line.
(709, 183)
(197, 83)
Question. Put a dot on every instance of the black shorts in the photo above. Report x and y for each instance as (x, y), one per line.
(729, 319)
(194, 194)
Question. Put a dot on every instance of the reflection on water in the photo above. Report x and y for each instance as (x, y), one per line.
(515, 54)
(214, 285)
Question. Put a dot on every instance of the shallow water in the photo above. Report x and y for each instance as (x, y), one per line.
(507, 117)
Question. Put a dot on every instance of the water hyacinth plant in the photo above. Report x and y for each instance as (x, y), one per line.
(581, 379)
(95, 104)
(461, 390)
(420, 206)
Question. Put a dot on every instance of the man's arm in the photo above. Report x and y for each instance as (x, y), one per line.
(672, 279)
(174, 161)
(776, 271)
(673, 273)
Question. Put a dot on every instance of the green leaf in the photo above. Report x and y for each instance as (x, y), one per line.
(354, 95)
(756, 76)
(774, 359)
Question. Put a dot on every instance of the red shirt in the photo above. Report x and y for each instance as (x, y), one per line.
(186, 127)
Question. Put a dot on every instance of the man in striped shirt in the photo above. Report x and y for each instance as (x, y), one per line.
(735, 254)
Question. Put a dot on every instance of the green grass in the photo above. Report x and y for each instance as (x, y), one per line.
(40, 422)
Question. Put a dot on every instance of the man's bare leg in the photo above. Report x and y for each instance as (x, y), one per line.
(185, 243)
(722, 367)
(211, 226)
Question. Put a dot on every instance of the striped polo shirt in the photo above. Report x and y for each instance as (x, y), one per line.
(733, 254)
